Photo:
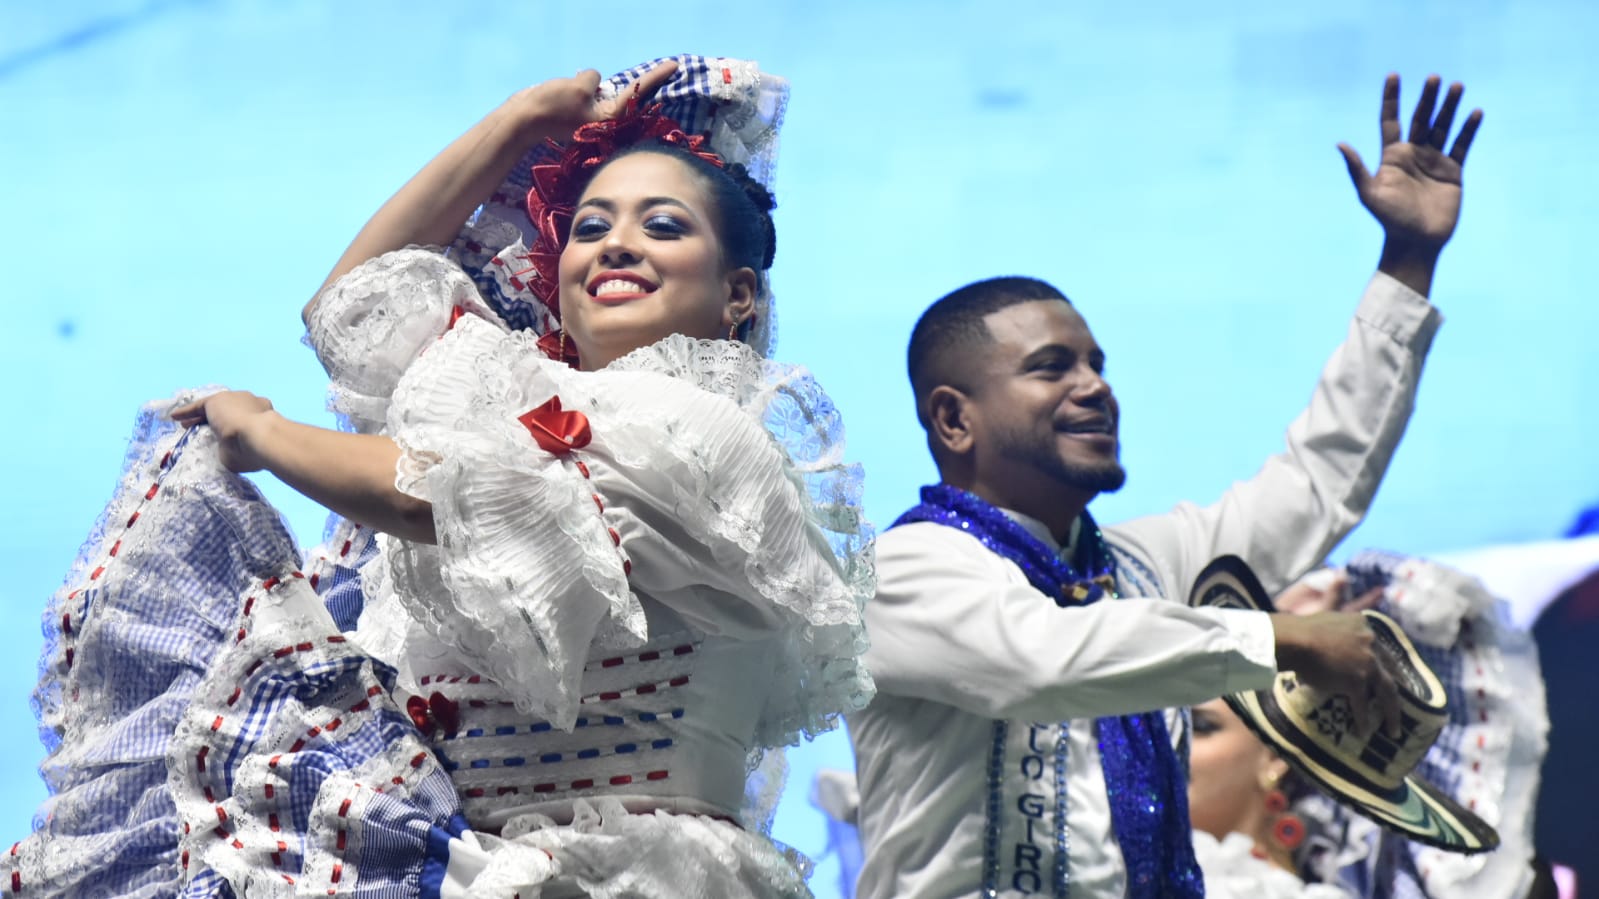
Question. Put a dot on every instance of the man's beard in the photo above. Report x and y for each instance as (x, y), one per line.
(1099, 477)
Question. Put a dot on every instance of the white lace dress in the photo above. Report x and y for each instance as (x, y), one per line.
(1233, 871)
(567, 695)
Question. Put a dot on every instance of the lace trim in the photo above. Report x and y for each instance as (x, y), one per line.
(127, 637)
(822, 659)
(1233, 872)
(666, 856)
(1487, 757)
(481, 590)
(454, 418)
(369, 325)
(239, 762)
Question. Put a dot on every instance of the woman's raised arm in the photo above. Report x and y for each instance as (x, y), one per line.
(430, 208)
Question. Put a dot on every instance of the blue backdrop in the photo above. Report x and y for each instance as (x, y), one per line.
(178, 176)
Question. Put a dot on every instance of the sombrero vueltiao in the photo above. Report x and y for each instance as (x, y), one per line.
(1318, 733)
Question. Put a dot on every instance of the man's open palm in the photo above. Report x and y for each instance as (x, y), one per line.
(1415, 192)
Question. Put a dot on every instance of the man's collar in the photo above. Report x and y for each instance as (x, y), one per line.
(1041, 531)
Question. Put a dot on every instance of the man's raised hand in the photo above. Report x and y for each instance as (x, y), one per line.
(1415, 192)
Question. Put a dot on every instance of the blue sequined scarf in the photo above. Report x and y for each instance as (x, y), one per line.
(1143, 777)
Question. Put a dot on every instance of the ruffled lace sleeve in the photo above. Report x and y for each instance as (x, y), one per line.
(368, 326)
(786, 509)
(657, 475)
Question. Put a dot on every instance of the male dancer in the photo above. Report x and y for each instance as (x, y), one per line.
(970, 782)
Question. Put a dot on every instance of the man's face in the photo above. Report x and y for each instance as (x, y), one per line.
(1041, 406)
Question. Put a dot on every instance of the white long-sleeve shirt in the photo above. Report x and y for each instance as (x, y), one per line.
(970, 784)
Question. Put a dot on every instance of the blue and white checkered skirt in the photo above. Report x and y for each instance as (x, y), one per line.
(210, 730)
(213, 732)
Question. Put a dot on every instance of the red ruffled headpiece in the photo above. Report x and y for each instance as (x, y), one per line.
(558, 184)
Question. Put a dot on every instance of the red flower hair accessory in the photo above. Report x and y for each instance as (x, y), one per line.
(558, 184)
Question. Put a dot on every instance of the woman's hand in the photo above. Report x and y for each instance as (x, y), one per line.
(560, 106)
(430, 208)
(239, 419)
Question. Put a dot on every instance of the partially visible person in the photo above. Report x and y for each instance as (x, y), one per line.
(1247, 837)
(1567, 633)
(1258, 819)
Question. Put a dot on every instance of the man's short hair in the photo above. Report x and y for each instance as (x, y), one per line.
(952, 330)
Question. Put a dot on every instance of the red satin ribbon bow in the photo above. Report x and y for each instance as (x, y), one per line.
(557, 432)
(436, 711)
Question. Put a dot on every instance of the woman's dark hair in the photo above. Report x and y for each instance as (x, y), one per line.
(741, 205)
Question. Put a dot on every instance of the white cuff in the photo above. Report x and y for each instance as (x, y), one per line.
(1401, 313)
(1255, 665)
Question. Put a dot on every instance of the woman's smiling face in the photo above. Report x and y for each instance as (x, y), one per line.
(644, 261)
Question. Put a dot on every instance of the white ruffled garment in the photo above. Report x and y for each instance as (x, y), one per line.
(637, 618)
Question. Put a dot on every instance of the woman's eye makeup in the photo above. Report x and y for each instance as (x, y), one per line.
(590, 226)
(657, 225)
(1205, 724)
(664, 224)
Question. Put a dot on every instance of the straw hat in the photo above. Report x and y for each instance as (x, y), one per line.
(1319, 733)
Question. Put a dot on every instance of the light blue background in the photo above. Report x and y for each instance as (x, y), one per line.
(176, 177)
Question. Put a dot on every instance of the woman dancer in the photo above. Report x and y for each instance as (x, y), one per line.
(1263, 830)
(608, 579)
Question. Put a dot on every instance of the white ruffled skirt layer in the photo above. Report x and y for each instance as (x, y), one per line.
(213, 733)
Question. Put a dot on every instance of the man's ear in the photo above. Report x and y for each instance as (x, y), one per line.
(742, 285)
(949, 420)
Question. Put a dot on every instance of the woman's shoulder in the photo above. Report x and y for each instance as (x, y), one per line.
(783, 398)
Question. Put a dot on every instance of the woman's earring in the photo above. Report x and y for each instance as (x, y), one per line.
(732, 330)
(1287, 829)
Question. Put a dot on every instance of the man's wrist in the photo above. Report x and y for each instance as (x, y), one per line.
(1289, 631)
(1410, 262)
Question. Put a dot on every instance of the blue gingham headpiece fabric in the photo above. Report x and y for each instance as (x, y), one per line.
(731, 102)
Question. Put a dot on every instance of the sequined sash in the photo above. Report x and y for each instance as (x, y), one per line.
(1143, 776)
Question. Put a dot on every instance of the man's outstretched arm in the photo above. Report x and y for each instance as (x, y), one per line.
(1286, 518)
